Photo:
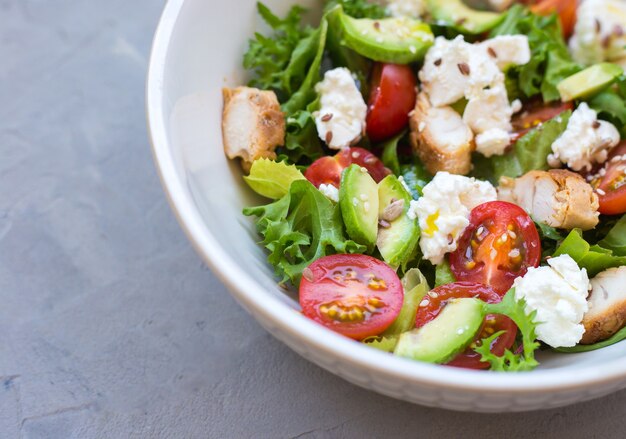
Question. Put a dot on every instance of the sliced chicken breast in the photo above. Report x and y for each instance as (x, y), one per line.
(253, 124)
(440, 138)
(607, 306)
(558, 198)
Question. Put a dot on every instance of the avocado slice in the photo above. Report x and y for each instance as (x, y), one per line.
(398, 40)
(398, 235)
(358, 200)
(588, 82)
(443, 338)
(457, 14)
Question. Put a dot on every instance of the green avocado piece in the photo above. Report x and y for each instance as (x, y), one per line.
(358, 200)
(589, 82)
(443, 338)
(398, 235)
(457, 14)
(391, 40)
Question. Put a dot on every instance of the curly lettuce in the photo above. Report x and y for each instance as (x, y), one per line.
(550, 61)
(615, 240)
(300, 228)
(512, 361)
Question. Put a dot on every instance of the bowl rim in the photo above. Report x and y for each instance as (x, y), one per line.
(253, 297)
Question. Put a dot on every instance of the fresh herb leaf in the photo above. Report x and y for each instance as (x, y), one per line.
(268, 57)
(516, 311)
(300, 228)
(358, 8)
(594, 259)
(301, 140)
(616, 338)
(550, 238)
(550, 61)
(444, 274)
(272, 179)
(616, 238)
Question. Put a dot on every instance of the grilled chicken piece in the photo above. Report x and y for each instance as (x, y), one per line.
(252, 124)
(441, 138)
(607, 306)
(558, 198)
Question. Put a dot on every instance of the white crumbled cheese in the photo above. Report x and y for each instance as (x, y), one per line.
(600, 32)
(492, 142)
(508, 50)
(406, 8)
(341, 118)
(444, 211)
(586, 140)
(455, 69)
(330, 192)
(559, 295)
(500, 5)
(412, 212)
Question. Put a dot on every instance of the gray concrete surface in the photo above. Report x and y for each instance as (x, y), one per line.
(110, 325)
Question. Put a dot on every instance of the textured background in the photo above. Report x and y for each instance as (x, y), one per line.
(110, 326)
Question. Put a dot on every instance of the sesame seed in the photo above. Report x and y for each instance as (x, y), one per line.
(438, 62)
(363, 197)
(596, 125)
(433, 294)
(492, 52)
(600, 192)
(329, 137)
(366, 207)
(413, 49)
(460, 331)
(376, 25)
(327, 117)
(424, 303)
(355, 201)
(504, 237)
(356, 154)
(363, 170)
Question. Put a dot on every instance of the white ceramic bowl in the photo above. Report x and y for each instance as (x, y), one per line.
(197, 50)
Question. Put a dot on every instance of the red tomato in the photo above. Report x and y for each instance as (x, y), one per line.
(535, 114)
(500, 244)
(355, 295)
(610, 183)
(392, 98)
(437, 299)
(327, 170)
(566, 10)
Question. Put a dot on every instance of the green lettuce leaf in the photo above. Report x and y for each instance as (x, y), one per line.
(529, 153)
(550, 238)
(616, 338)
(444, 274)
(299, 228)
(550, 61)
(416, 178)
(390, 153)
(272, 179)
(301, 139)
(357, 8)
(511, 362)
(616, 238)
(611, 105)
(268, 57)
(307, 59)
(594, 259)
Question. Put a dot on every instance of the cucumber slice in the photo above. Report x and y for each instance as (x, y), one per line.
(399, 235)
(358, 200)
(390, 40)
(449, 334)
(589, 82)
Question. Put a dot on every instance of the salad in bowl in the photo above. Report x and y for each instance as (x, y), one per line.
(445, 180)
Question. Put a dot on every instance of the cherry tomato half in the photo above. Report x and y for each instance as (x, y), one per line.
(437, 299)
(566, 10)
(355, 295)
(500, 244)
(535, 114)
(392, 98)
(610, 183)
(327, 170)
